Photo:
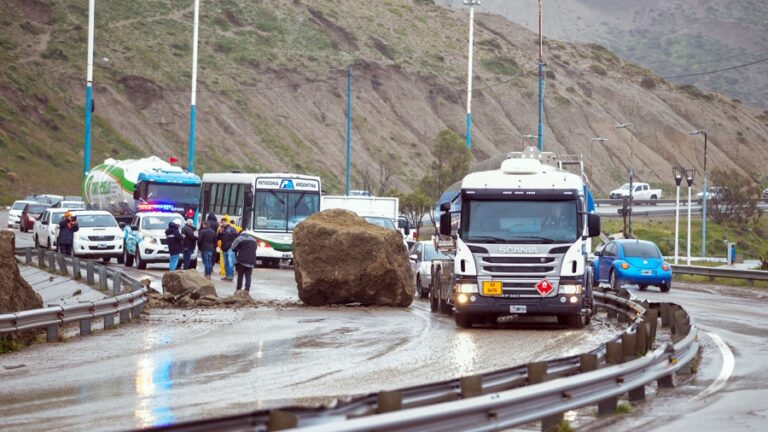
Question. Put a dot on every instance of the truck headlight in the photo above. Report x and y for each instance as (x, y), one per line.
(570, 289)
(465, 287)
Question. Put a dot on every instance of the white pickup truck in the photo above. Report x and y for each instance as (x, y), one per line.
(642, 191)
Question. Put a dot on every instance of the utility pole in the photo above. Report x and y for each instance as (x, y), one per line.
(193, 99)
(631, 170)
(689, 175)
(703, 196)
(349, 122)
(541, 83)
(88, 91)
(678, 172)
(471, 4)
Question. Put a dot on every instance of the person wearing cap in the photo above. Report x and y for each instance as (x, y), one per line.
(227, 235)
(67, 228)
(175, 240)
(188, 246)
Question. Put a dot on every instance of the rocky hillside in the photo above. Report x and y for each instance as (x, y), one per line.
(272, 92)
(669, 37)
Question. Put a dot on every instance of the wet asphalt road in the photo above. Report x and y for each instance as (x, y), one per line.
(178, 365)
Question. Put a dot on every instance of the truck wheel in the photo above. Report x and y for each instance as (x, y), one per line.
(574, 321)
(654, 198)
(463, 320)
(120, 258)
(434, 304)
(140, 263)
(127, 258)
(106, 260)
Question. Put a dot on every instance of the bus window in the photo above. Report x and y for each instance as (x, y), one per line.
(270, 211)
(301, 206)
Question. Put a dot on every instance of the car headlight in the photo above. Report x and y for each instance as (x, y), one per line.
(82, 237)
(465, 287)
(149, 239)
(570, 289)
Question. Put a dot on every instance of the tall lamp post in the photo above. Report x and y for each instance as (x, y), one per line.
(703, 196)
(471, 4)
(631, 170)
(592, 151)
(689, 175)
(678, 172)
(88, 91)
(527, 138)
(193, 97)
(541, 82)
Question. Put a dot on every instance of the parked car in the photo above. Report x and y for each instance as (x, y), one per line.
(46, 230)
(713, 192)
(422, 254)
(14, 214)
(31, 212)
(72, 205)
(632, 262)
(642, 191)
(45, 198)
(99, 236)
(765, 194)
(384, 223)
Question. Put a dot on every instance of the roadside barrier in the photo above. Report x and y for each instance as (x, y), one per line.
(540, 391)
(125, 306)
(713, 272)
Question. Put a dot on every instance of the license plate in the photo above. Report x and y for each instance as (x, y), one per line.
(646, 272)
(518, 309)
(492, 288)
(102, 246)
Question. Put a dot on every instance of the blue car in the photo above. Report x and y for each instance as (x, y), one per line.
(632, 262)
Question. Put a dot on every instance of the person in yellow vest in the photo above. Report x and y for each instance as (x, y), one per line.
(226, 222)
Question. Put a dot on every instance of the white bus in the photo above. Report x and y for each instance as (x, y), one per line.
(269, 205)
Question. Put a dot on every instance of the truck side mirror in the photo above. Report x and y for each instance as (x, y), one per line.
(136, 192)
(445, 223)
(407, 229)
(593, 222)
(445, 206)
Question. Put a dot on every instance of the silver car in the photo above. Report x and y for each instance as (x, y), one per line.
(421, 254)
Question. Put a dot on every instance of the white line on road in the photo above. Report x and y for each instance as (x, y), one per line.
(725, 372)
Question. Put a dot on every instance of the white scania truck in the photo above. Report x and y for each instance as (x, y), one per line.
(519, 237)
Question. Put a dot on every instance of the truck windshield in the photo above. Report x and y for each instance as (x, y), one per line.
(519, 222)
(281, 211)
(173, 193)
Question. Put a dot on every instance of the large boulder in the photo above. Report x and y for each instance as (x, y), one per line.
(187, 282)
(339, 258)
(15, 293)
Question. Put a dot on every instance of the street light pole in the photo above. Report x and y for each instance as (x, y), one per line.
(631, 170)
(88, 91)
(591, 152)
(471, 4)
(689, 174)
(193, 98)
(678, 173)
(541, 83)
(703, 196)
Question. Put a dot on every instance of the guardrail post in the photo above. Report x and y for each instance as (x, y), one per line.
(652, 316)
(117, 281)
(62, 264)
(125, 316)
(664, 314)
(587, 363)
(41, 258)
(102, 278)
(51, 261)
(666, 382)
(281, 420)
(90, 269)
(642, 338)
(28, 256)
(680, 326)
(389, 401)
(52, 333)
(628, 344)
(76, 268)
(537, 373)
(471, 386)
(109, 321)
(612, 356)
(85, 327)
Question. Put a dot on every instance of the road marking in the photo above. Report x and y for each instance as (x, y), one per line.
(725, 372)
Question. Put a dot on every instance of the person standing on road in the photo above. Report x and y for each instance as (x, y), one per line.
(67, 228)
(206, 244)
(245, 247)
(175, 241)
(213, 222)
(190, 241)
(227, 235)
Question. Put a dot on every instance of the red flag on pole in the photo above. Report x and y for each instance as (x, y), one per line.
(172, 160)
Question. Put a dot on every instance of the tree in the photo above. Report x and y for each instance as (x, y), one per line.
(737, 203)
(378, 184)
(451, 165)
(414, 206)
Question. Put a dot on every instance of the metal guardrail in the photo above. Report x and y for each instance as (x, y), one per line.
(713, 272)
(510, 397)
(127, 306)
(618, 202)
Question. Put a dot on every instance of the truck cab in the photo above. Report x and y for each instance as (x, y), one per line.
(519, 237)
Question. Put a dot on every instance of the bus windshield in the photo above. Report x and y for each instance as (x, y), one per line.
(173, 193)
(277, 210)
(506, 221)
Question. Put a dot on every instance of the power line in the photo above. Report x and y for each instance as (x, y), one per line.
(730, 68)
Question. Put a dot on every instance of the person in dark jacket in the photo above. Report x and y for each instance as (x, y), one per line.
(213, 222)
(175, 244)
(245, 248)
(227, 235)
(189, 244)
(206, 244)
(67, 228)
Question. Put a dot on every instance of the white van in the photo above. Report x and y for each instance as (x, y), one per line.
(99, 236)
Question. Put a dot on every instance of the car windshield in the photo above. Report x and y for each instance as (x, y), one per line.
(97, 220)
(507, 221)
(641, 250)
(74, 205)
(430, 253)
(18, 205)
(381, 221)
(35, 209)
(160, 222)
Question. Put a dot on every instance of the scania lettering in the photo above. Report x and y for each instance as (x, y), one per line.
(268, 205)
(123, 187)
(519, 237)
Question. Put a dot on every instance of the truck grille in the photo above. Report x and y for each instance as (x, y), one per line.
(101, 238)
(519, 274)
